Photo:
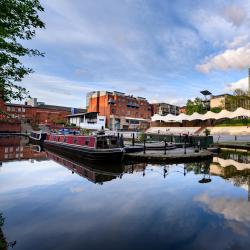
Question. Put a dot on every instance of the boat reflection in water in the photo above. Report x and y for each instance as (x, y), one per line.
(122, 206)
(94, 173)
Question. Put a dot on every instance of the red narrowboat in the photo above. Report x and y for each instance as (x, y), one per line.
(94, 148)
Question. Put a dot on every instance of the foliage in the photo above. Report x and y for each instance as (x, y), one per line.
(195, 106)
(61, 121)
(1, 220)
(18, 21)
(233, 122)
(72, 125)
(239, 92)
(233, 102)
(207, 132)
(142, 136)
(85, 131)
(216, 109)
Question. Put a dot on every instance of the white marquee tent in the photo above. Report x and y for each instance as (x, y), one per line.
(240, 112)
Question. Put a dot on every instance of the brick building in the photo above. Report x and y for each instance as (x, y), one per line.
(182, 110)
(39, 113)
(164, 109)
(122, 111)
(15, 147)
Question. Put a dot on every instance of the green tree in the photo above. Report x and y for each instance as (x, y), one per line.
(194, 106)
(239, 92)
(18, 21)
(216, 109)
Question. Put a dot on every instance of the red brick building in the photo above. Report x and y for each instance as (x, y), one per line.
(121, 111)
(14, 147)
(182, 109)
(33, 112)
(36, 115)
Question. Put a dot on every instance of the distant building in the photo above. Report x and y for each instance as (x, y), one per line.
(164, 109)
(182, 110)
(121, 111)
(230, 102)
(38, 112)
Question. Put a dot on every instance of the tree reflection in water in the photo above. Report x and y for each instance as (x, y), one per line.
(3, 242)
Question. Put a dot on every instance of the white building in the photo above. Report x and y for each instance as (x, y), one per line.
(89, 120)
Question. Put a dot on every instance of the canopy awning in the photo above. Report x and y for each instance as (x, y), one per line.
(240, 112)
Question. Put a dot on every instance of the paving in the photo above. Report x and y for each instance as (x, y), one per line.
(174, 156)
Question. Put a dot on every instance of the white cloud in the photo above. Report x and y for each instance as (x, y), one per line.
(235, 14)
(230, 59)
(237, 210)
(237, 42)
(57, 90)
(240, 84)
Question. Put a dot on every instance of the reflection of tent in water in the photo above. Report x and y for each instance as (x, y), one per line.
(238, 173)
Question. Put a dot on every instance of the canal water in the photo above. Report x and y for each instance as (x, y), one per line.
(48, 201)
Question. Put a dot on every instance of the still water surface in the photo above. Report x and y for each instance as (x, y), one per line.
(51, 202)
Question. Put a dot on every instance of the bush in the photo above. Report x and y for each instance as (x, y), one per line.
(142, 136)
(207, 132)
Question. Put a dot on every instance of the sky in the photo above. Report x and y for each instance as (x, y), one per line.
(164, 50)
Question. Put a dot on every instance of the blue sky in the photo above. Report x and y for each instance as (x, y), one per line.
(163, 50)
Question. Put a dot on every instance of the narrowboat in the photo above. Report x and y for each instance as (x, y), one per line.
(98, 148)
(37, 137)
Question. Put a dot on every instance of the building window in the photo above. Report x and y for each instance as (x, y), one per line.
(19, 110)
(8, 108)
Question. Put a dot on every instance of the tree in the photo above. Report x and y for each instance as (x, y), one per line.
(194, 106)
(239, 92)
(216, 109)
(18, 21)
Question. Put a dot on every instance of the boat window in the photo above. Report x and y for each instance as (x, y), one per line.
(65, 138)
(106, 142)
(87, 141)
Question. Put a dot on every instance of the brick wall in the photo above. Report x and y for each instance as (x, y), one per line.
(117, 105)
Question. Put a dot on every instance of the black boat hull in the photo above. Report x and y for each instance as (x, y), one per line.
(93, 155)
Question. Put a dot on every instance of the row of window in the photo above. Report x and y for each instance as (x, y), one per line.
(11, 156)
(11, 149)
(14, 109)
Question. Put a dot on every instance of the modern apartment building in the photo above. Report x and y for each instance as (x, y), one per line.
(121, 111)
(230, 102)
(164, 109)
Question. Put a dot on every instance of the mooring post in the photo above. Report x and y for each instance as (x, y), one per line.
(185, 146)
(165, 146)
(144, 146)
(133, 139)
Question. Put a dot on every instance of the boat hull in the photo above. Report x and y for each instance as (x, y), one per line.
(90, 154)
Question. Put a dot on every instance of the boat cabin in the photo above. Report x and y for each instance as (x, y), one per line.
(99, 141)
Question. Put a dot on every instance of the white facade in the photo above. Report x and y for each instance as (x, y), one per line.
(82, 121)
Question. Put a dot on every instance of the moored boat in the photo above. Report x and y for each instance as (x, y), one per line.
(101, 148)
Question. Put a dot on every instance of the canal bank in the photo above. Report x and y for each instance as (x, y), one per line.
(172, 156)
(234, 145)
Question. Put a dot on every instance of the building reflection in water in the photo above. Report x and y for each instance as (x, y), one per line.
(17, 148)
